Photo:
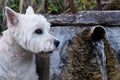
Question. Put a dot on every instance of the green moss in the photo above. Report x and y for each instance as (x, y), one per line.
(113, 70)
(81, 63)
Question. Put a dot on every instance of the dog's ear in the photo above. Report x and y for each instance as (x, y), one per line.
(12, 16)
(29, 10)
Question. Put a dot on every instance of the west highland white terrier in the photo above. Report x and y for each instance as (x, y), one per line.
(26, 35)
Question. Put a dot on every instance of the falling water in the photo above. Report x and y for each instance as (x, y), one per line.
(101, 58)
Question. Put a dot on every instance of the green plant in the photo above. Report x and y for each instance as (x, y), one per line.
(50, 6)
(85, 5)
(14, 5)
(55, 6)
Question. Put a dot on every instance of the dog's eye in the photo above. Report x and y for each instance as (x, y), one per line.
(38, 31)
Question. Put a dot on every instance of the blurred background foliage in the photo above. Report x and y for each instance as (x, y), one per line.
(49, 6)
(57, 6)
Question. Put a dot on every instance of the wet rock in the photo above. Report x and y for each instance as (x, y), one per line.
(58, 58)
(114, 36)
(113, 71)
(118, 56)
(68, 27)
(76, 48)
(82, 63)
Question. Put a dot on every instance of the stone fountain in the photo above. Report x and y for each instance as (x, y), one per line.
(89, 49)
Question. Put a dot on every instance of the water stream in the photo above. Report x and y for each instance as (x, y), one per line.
(65, 33)
(101, 58)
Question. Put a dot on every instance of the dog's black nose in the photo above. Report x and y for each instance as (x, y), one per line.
(56, 43)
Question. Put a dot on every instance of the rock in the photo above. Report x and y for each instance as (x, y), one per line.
(82, 63)
(68, 28)
(58, 59)
(86, 18)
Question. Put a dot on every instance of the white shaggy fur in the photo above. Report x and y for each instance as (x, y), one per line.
(19, 43)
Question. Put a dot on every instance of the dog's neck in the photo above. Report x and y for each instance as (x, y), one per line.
(14, 48)
(17, 60)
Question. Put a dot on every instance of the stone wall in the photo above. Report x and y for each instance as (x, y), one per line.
(68, 26)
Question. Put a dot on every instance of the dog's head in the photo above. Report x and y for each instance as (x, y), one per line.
(31, 31)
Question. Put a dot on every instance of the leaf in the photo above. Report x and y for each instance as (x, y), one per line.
(55, 8)
(92, 7)
(13, 5)
(49, 9)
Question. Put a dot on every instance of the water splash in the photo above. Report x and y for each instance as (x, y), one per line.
(101, 58)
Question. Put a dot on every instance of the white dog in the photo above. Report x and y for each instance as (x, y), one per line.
(26, 34)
